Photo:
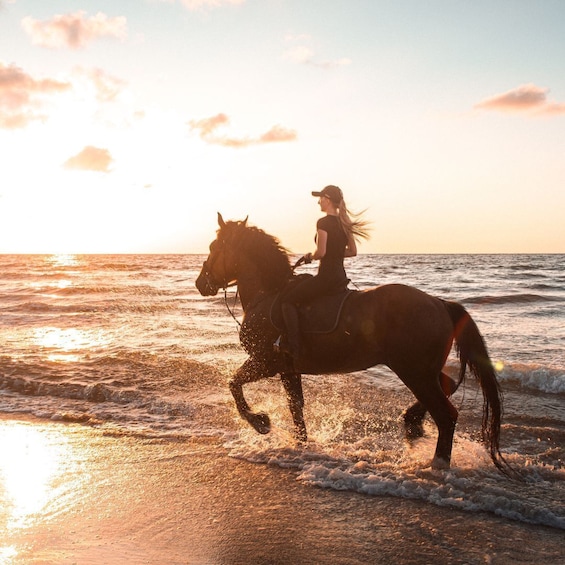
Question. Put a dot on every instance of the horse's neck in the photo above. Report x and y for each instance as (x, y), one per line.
(250, 280)
(249, 287)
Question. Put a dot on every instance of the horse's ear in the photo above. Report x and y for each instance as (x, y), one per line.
(245, 221)
(221, 222)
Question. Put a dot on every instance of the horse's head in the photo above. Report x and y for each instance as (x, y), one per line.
(220, 268)
(242, 251)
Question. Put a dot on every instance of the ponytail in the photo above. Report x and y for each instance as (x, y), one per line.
(352, 224)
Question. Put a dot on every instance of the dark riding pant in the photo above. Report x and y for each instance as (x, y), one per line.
(302, 293)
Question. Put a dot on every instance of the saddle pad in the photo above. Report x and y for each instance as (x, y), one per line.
(318, 316)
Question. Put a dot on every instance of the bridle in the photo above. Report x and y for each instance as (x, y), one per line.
(213, 284)
(224, 285)
(207, 270)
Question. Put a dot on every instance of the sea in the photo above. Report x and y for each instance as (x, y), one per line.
(125, 343)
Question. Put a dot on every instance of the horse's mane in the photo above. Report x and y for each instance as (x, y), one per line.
(271, 258)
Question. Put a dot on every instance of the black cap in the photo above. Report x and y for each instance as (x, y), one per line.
(332, 192)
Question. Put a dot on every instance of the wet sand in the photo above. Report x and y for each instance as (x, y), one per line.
(73, 494)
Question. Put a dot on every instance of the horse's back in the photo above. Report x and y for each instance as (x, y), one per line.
(403, 315)
(395, 297)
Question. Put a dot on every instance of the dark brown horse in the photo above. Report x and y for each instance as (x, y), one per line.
(395, 325)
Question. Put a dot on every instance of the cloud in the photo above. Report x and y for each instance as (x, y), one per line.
(90, 159)
(74, 30)
(278, 133)
(527, 99)
(299, 54)
(107, 87)
(554, 109)
(208, 127)
(305, 56)
(21, 96)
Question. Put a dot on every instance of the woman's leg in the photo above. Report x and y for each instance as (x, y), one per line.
(299, 294)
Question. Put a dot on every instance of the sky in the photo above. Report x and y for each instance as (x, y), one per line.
(126, 126)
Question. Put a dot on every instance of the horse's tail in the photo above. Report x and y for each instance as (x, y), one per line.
(473, 353)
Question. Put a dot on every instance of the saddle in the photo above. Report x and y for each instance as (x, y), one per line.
(319, 316)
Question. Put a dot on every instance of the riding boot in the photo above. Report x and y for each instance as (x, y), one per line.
(290, 317)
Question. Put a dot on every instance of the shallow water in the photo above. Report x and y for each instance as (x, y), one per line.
(78, 494)
(126, 343)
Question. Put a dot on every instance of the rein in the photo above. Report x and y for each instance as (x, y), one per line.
(234, 302)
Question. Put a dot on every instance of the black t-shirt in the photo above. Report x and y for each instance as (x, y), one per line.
(331, 264)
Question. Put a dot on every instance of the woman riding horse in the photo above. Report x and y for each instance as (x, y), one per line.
(395, 325)
(336, 233)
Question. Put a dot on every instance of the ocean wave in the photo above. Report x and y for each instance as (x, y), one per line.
(454, 489)
(534, 377)
(33, 307)
(117, 375)
(95, 306)
(131, 291)
(546, 286)
(549, 379)
(92, 392)
(512, 299)
(112, 404)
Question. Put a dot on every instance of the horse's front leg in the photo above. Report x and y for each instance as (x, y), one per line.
(292, 383)
(249, 372)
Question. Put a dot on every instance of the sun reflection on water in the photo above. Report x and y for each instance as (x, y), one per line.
(63, 260)
(7, 554)
(30, 461)
(69, 344)
(38, 473)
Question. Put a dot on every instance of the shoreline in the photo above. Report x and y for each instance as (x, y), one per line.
(98, 498)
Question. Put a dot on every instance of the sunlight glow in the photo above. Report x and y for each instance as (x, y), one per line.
(29, 466)
(60, 284)
(62, 260)
(63, 283)
(68, 344)
(7, 554)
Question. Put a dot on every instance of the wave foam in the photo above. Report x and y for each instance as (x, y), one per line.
(472, 485)
(543, 379)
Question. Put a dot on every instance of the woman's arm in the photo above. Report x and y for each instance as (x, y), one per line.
(321, 242)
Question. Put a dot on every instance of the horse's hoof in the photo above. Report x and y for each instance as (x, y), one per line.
(261, 423)
(440, 464)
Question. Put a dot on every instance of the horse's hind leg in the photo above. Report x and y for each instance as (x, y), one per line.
(431, 396)
(444, 415)
(249, 372)
(292, 383)
(414, 416)
(414, 421)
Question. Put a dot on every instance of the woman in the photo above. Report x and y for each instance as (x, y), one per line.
(336, 235)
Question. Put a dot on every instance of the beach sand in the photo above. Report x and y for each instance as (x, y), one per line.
(71, 493)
